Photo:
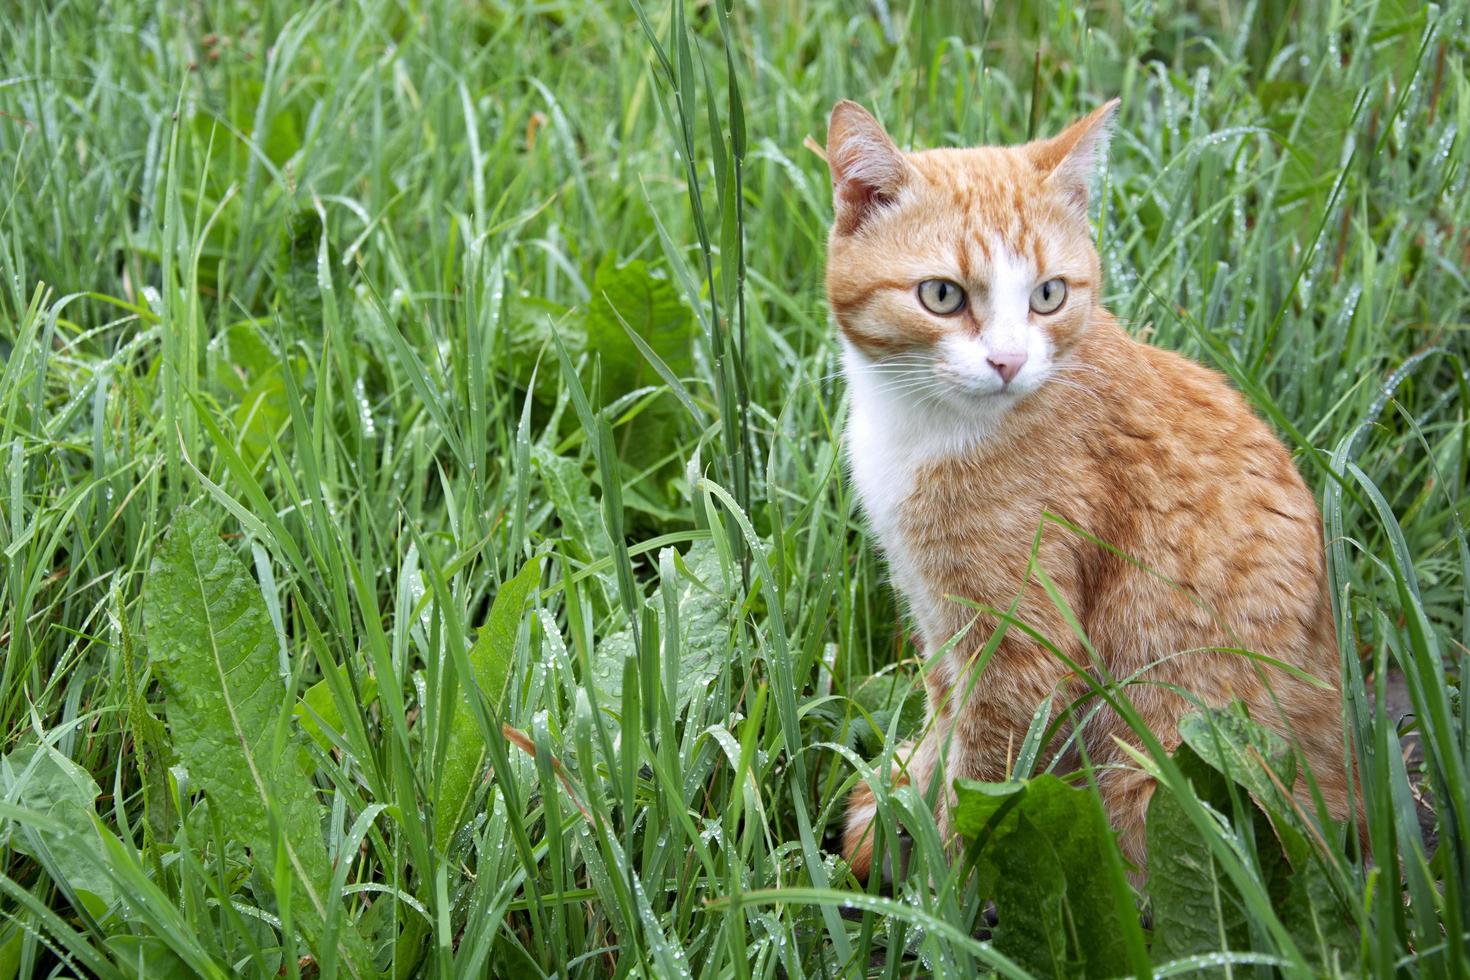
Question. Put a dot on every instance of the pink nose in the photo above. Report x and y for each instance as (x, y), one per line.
(1007, 365)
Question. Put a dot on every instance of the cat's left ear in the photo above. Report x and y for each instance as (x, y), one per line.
(1070, 158)
(868, 170)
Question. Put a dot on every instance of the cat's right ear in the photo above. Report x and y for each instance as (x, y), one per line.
(1069, 158)
(867, 169)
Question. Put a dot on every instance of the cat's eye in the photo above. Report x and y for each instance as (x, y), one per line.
(1049, 296)
(941, 296)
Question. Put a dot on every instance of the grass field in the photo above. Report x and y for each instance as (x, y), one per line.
(335, 476)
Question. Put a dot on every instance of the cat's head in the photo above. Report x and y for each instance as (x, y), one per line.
(968, 274)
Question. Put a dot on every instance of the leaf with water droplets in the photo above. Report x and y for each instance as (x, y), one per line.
(212, 647)
(490, 658)
(704, 631)
(1243, 750)
(1060, 899)
(1196, 907)
(40, 780)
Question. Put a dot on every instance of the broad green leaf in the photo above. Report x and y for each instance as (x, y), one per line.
(582, 533)
(881, 697)
(1196, 908)
(1059, 900)
(261, 416)
(1262, 762)
(1242, 749)
(318, 698)
(243, 353)
(981, 806)
(296, 267)
(247, 366)
(214, 651)
(652, 308)
(149, 956)
(1072, 823)
(40, 779)
(704, 631)
(1029, 888)
(1310, 908)
(529, 322)
(570, 492)
(490, 659)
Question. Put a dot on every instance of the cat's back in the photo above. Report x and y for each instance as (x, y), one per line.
(1199, 489)
(1180, 442)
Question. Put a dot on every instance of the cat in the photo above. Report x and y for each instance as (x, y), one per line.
(988, 389)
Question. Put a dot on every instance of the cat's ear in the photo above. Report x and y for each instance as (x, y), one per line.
(867, 169)
(1070, 158)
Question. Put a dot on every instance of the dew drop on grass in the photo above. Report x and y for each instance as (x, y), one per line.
(1446, 144)
(1349, 304)
(364, 410)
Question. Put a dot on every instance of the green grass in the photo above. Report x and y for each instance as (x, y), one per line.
(355, 282)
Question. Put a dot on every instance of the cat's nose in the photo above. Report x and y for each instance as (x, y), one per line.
(1007, 365)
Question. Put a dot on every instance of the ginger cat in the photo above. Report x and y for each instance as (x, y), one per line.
(988, 386)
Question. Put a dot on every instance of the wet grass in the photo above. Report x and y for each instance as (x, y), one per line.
(359, 284)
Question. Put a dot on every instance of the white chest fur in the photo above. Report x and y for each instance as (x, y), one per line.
(894, 428)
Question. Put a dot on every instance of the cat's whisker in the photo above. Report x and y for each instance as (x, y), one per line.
(1070, 383)
(906, 371)
(910, 366)
(910, 384)
(904, 361)
(903, 364)
(1072, 379)
(919, 393)
(1076, 365)
(909, 390)
(1067, 373)
(901, 368)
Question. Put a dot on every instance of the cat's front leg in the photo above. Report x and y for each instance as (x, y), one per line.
(920, 763)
